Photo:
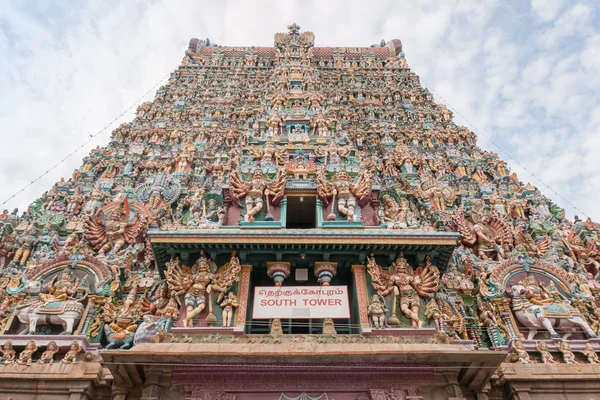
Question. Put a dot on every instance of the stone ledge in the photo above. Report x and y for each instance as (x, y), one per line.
(62, 341)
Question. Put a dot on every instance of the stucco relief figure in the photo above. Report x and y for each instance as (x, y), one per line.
(58, 306)
(490, 237)
(113, 232)
(346, 191)
(567, 355)
(48, 355)
(26, 356)
(590, 353)
(377, 310)
(545, 356)
(536, 309)
(410, 286)
(229, 303)
(518, 353)
(71, 355)
(199, 281)
(254, 192)
(8, 353)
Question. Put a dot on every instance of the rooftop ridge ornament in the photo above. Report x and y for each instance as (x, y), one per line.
(295, 39)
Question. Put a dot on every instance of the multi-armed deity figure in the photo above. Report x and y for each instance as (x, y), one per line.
(114, 233)
(253, 192)
(347, 192)
(490, 236)
(200, 280)
(409, 286)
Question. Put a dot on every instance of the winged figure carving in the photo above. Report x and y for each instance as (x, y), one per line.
(112, 231)
(490, 236)
(402, 282)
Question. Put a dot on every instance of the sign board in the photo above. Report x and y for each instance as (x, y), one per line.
(301, 302)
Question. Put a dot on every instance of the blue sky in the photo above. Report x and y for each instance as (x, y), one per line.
(525, 73)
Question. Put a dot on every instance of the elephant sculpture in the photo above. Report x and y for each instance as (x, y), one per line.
(66, 313)
(557, 315)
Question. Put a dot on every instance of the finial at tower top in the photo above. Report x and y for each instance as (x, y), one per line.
(294, 28)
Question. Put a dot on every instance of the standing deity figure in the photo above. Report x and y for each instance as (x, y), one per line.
(203, 278)
(7, 246)
(409, 286)
(229, 303)
(590, 353)
(347, 192)
(192, 283)
(256, 190)
(114, 233)
(26, 243)
(491, 236)
(377, 310)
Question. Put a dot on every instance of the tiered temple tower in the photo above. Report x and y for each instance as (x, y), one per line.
(297, 222)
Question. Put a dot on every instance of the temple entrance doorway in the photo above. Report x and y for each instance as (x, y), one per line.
(301, 212)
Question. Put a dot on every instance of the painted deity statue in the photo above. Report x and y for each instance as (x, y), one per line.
(229, 303)
(114, 233)
(590, 353)
(61, 289)
(377, 310)
(346, 191)
(199, 281)
(491, 236)
(254, 192)
(403, 283)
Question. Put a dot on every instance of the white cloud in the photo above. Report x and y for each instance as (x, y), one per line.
(546, 10)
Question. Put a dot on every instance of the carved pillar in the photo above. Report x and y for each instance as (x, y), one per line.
(119, 393)
(452, 390)
(153, 385)
(360, 282)
(243, 296)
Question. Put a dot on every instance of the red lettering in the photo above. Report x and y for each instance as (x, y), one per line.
(263, 303)
(338, 302)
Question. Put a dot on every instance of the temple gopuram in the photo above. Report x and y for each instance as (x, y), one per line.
(297, 223)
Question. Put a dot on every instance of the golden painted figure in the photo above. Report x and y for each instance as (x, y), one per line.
(545, 355)
(60, 289)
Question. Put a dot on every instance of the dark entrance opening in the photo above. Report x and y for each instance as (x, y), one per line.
(301, 212)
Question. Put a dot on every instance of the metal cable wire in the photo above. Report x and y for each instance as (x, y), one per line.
(92, 137)
(502, 149)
